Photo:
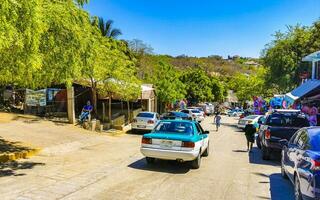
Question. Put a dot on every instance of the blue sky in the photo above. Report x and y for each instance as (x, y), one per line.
(205, 27)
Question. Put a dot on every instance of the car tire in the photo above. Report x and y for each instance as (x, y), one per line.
(206, 152)
(150, 160)
(283, 172)
(265, 153)
(195, 164)
(258, 142)
(297, 190)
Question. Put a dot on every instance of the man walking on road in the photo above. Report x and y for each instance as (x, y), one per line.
(217, 121)
(250, 130)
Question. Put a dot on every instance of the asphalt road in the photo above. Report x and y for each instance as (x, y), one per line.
(105, 167)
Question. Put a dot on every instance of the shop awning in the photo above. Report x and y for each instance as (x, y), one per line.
(314, 57)
(302, 90)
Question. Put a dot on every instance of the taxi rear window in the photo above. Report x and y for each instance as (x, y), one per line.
(174, 127)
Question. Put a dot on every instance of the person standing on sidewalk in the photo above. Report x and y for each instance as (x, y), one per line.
(217, 121)
(250, 130)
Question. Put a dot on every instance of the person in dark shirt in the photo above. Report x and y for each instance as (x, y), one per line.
(250, 130)
(86, 111)
(217, 121)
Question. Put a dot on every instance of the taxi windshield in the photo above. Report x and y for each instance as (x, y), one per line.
(174, 127)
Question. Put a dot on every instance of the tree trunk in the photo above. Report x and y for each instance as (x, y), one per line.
(94, 101)
(128, 106)
(109, 108)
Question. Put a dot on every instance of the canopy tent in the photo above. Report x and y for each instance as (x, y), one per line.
(314, 57)
(302, 90)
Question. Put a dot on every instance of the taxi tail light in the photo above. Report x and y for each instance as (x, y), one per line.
(315, 165)
(150, 122)
(146, 141)
(188, 144)
(267, 134)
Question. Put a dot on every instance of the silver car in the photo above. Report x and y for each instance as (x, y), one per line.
(145, 121)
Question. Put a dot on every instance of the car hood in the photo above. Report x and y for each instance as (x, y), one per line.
(172, 136)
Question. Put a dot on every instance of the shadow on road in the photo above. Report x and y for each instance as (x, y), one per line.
(171, 167)
(11, 168)
(256, 158)
(11, 147)
(281, 189)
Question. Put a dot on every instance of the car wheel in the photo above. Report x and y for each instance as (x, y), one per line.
(265, 153)
(297, 191)
(195, 164)
(283, 172)
(206, 152)
(258, 142)
(150, 160)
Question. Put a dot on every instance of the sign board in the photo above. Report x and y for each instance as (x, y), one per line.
(36, 98)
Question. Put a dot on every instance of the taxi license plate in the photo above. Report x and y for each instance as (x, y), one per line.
(166, 143)
(141, 126)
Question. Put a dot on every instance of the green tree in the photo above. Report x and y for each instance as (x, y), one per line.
(248, 85)
(198, 85)
(284, 54)
(169, 88)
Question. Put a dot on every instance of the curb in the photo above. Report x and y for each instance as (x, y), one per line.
(5, 157)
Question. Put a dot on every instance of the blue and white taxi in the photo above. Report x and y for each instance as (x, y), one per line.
(179, 140)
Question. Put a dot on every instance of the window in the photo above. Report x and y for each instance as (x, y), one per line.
(303, 140)
(287, 120)
(174, 127)
(198, 129)
(146, 115)
(185, 111)
(252, 117)
(295, 138)
(195, 111)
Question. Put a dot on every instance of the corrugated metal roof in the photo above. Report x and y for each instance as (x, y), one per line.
(303, 89)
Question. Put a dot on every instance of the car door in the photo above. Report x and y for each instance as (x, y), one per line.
(203, 136)
(302, 162)
(290, 154)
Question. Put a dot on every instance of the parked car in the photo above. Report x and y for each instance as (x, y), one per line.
(195, 114)
(301, 162)
(235, 112)
(251, 119)
(281, 124)
(179, 140)
(198, 108)
(145, 121)
(176, 115)
(208, 108)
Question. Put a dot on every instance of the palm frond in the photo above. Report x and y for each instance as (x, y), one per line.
(101, 26)
(115, 33)
(108, 28)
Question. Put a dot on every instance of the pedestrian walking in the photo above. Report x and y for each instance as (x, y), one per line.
(250, 130)
(217, 121)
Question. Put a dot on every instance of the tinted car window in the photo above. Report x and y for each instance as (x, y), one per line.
(287, 120)
(174, 127)
(303, 140)
(195, 111)
(146, 115)
(185, 111)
